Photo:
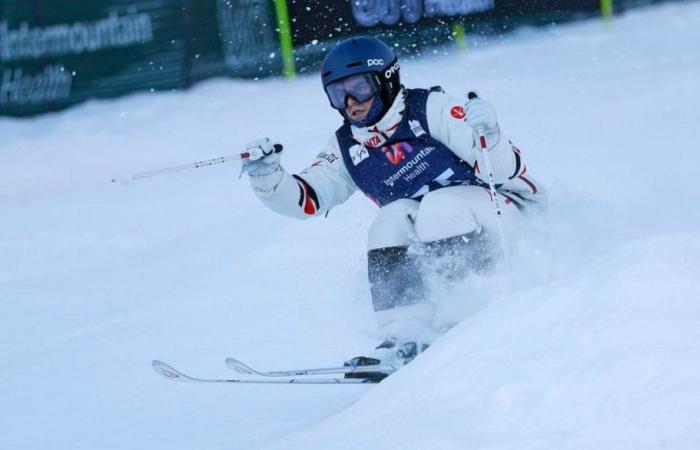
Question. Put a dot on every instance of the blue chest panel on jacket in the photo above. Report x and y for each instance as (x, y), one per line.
(410, 164)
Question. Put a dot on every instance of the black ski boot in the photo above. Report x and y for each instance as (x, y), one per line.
(391, 353)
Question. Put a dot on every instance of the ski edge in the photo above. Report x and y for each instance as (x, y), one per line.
(170, 373)
(240, 367)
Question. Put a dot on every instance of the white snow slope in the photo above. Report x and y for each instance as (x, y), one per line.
(594, 343)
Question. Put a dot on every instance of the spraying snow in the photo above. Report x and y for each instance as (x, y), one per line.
(592, 343)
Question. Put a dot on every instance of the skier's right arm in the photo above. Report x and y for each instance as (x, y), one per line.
(321, 186)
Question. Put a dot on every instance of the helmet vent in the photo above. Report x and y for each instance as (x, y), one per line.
(355, 64)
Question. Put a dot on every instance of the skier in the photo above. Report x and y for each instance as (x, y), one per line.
(416, 154)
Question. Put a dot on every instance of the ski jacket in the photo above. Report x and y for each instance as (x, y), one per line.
(409, 164)
(421, 144)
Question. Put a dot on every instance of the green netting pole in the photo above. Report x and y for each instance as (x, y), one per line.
(286, 44)
(459, 35)
(606, 10)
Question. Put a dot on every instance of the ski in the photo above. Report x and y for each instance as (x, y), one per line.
(170, 373)
(244, 369)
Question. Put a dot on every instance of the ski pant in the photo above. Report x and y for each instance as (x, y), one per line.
(458, 219)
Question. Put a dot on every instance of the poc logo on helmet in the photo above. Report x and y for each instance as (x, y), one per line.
(392, 70)
(375, 62)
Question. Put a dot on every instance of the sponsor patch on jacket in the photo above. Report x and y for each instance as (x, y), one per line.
(374, 141)
(358, 153)
(457, 112)
(330, 157)
(416, 128)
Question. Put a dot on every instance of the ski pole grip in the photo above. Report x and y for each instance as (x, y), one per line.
(471, 95)
(257, 153)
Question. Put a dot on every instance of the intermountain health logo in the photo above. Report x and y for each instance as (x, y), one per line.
(18, 88)
(409, 171)
(113, 31)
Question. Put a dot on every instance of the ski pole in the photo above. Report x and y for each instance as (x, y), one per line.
(494, 193)
(252, 155)
(492, 185)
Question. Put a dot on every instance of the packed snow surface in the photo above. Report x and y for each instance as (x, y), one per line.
(591, 342)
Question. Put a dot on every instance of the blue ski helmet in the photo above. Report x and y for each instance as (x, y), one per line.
(363, 55)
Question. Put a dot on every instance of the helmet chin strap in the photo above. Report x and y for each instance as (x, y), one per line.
(373, 115)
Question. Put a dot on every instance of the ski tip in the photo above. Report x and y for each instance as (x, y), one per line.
(239, 367)
(166, 371)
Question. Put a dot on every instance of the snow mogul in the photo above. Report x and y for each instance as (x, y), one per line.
(416, 153)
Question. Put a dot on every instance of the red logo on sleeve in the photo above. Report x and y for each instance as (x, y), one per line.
(457, 112)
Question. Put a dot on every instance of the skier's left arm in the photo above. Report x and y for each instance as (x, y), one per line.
(456, 125)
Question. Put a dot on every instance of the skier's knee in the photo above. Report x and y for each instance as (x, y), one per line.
(393, 226)
(447, 213)
(449, 224)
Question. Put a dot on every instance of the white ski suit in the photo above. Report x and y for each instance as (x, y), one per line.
(423, 216)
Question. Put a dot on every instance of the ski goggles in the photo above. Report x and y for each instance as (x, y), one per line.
(361, 87)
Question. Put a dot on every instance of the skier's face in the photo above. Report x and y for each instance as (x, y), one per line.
(358, 111)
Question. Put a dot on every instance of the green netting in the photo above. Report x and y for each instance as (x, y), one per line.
(56, 53)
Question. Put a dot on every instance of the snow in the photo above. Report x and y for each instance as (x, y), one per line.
(613, 367)
(593, 342)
